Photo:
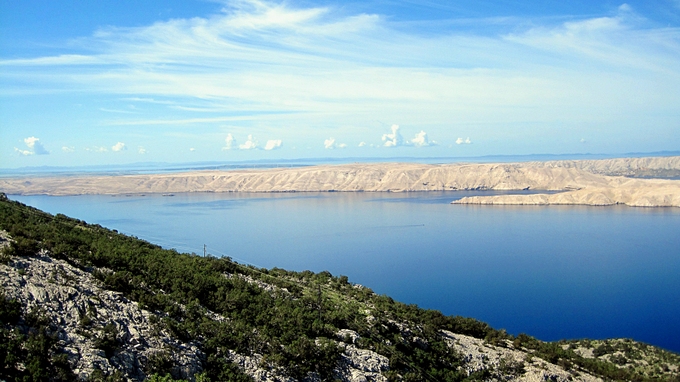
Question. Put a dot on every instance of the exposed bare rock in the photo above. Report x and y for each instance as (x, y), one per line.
(628, 354)
(253, 366)
(361, 365)
(355, 365)
(81, 312)
(649, 167)
(634, 193)
(582, 181)
(393, 177)
(513, 364)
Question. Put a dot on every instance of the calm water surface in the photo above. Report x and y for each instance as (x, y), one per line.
(553, 272)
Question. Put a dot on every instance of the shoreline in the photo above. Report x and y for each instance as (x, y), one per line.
(585, 182)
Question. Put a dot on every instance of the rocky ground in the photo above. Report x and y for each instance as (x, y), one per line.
(88, 320)
(83, 316)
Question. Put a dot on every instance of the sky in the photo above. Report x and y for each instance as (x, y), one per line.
(121, 81)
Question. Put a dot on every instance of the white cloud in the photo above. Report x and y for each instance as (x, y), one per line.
(34, 147)
(273, 144)
(192, 149)
(228, 142)
(68, 149)
(461, 141)
(394, 139)
(23, 152)
(97, 149)
(141, 150)
(330, 144)
(120, 146)
(421, 140)
(249, 144)
(625, 8)
(331, 65)
(362, 144)
(118, 111)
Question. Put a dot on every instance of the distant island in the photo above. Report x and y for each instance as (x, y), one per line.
(83, 302)
(638, 182)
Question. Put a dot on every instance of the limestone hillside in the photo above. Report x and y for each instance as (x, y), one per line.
(581, 182)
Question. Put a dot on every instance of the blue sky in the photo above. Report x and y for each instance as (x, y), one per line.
(111, 82)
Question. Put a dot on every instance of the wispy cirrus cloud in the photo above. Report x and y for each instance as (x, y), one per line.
(277, 62)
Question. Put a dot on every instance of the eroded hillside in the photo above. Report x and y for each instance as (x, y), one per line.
(579, 182)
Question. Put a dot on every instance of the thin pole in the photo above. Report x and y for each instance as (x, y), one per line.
(320, 319)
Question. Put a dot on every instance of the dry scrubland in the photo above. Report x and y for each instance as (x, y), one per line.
(83, 314)
(587, 182)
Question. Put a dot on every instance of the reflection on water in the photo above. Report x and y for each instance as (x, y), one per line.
(553, 272)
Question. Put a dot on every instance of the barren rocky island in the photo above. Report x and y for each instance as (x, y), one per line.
(639, 182)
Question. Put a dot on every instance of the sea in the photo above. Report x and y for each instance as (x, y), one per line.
(553, 272)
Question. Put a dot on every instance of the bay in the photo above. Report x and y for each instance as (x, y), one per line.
(554, 272)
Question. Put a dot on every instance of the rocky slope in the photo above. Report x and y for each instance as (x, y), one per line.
(619, 188)
(81, 314)
(633, 193)
(354, 177)
(649, 167)
(584, 182)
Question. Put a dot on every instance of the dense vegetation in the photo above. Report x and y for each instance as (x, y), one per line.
(292, 325)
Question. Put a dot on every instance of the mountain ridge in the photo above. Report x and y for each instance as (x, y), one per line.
(589, 182)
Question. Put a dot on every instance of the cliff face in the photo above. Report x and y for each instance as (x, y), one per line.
(618, 187)
(80, 302)
(650, 167)
(356, 177)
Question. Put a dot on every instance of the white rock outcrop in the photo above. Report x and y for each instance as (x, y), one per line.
(583, 182)
(480, 356)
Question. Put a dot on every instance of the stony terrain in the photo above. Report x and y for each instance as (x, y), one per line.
(624, 191)
(649, 167)
(82, 314)
(581, 182)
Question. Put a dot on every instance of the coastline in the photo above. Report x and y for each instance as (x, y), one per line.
(588, 182)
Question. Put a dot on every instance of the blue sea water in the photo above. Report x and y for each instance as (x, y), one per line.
(554, 272)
